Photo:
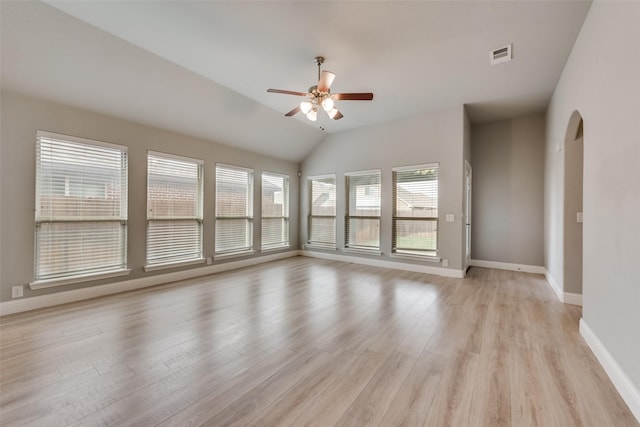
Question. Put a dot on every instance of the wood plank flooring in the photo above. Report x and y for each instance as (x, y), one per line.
(303, 342)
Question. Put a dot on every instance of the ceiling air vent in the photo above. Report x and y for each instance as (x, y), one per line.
(502, 54)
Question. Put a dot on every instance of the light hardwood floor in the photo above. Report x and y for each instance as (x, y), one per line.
(309, 342)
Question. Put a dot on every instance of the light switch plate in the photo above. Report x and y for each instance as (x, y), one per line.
(450, 218)
(579, 217)
(17, 292)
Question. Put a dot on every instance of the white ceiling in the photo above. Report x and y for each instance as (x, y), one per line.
(202, 67)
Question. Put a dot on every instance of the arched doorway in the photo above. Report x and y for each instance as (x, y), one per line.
(573, 184)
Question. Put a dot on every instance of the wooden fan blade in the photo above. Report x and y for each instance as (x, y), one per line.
(326, 78)
(292, 112)
(352, 96)
(287, 92)
(338, 116)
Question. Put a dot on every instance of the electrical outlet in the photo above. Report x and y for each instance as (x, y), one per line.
(445, 263)
(450, 218)
(17, 292)
(209, 261)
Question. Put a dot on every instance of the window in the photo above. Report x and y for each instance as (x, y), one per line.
(415, 210)
(275, 211)
(322, 210)
(81, 208)
(234, 209)
(362, 221)
(174, 209)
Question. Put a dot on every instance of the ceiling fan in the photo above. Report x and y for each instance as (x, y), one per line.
(320, 96)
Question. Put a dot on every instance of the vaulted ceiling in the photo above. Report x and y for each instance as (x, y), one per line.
(202, 67)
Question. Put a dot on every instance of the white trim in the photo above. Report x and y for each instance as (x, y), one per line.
(155, 267)
(50, 283)
(508, 266)
(413, 167)
(415, 257)
(319, 177)
(275, 248)
(554, 286)
(68, 138)
(386, 264)
(234, 167)
(367, 172)
(33, 303)
(174, 157)
(362, 251)
(563, 297)
(573, 299)
(319, 246)
(275, 174)
(629, 392)
(224, 255)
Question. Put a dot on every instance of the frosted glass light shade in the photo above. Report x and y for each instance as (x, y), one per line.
(305, 107)
(312, 115)
(327, 104)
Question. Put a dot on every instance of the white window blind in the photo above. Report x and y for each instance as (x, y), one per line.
(322, 210)
(415, 210)
(81, 207)
(275, 210)
(174, 209)
(362, 221)
(234, 209)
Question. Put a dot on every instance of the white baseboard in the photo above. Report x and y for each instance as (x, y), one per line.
(64, 297)
(448, 272)
(507, 266)
(573, 299)
(629, 392)
(554, 286)
(563, 297)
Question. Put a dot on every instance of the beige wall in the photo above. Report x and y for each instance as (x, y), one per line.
(466, 157)
(573, 174)
(21, 116)
(508, 190)
(600, 81)
(428, 138)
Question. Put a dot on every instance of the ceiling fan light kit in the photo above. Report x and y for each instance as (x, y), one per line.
(320, 95)
(305, 107)
(312, 115)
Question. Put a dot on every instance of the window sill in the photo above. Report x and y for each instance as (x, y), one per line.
(321, 247)
(234, 254)
(430, 258)
(49, 283)
(275, 248)
(154, 267)
(363, 251)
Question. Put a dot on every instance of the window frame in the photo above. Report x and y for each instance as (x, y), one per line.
(415, 253)
(198, 217)
(349, 215)
(87, 274)
(311, 216)
(285, 243)
(247, 249)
